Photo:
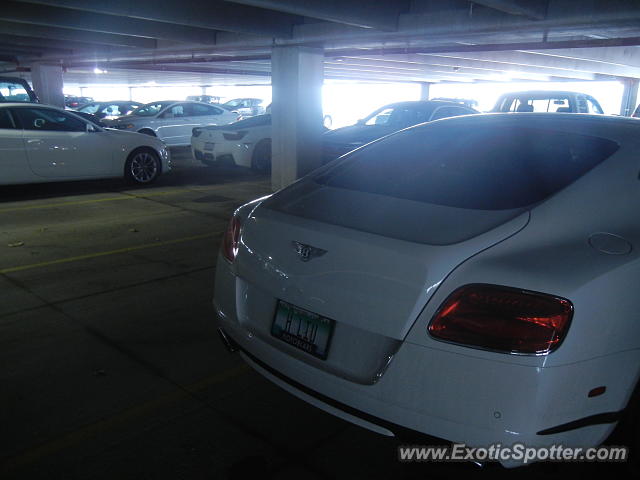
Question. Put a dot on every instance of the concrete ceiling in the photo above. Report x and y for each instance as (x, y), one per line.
(215, 42)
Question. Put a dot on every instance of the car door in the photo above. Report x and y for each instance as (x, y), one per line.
(171, 124)
(14, 166)
(60, 145)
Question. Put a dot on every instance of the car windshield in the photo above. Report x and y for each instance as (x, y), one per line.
(397, 116)
(90, 108)
(151, 109)
(487, 168)
(13, 92)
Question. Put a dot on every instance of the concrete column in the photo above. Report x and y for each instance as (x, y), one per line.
(424, 90)
(131, 94)
(47, 83)
(629, 96)
(296, 112)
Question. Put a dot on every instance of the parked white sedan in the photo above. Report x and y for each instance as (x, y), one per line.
(246, 143)
(40, 143)
(172, 121)
(474, 279)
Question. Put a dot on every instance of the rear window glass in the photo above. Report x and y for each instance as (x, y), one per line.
(493, 167)
(13, 92)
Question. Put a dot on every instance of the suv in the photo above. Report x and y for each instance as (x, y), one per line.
(547, 101)
(14, 89)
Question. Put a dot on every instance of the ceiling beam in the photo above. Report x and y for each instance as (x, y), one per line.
(532, 60)
(563, 17)
(20, 12)
(377, 15)
(534, 9)
(216, 15)
(481, 66)
(75, 47)
(67, 34)
(611, 55)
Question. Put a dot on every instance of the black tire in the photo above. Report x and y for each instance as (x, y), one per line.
(146, 131)
(142, 167)
(261, 158)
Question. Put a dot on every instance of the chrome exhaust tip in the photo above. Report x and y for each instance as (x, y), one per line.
(228, 343)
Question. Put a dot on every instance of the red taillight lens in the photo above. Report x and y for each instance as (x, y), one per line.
(231, 239)
(504, 319)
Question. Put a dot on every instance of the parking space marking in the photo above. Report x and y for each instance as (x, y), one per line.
(124, 417)
(125, 196)
(21, 268)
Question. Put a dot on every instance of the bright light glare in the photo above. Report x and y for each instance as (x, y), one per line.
(98, 71)
(348, 102)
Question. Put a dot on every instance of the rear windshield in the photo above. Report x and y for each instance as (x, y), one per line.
(492, 167)
(14, 91)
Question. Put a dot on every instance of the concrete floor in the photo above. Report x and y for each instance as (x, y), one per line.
(110, 365)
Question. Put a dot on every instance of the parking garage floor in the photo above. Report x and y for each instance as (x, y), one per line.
(110, 365)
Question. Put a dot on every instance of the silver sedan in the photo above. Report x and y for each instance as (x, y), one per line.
(172, 121)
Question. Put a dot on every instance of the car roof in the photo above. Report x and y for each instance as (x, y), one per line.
(425, 104)
(28, 104)
(544, 93)
(588, 124)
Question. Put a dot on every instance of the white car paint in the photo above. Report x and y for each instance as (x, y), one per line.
(214, 143)
(384, 370)
(173, 121)
(30, 155)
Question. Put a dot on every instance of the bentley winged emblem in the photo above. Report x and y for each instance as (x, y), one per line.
(307, 252)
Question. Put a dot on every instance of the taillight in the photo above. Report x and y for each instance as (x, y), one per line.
(503, 319)
(234, 135)
(231, 239)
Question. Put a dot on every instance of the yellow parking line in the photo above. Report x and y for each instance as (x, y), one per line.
(125, 196)
(119, 419)
(104, 254)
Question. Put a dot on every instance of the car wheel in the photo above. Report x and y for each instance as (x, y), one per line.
(142, 167)
(261, 159)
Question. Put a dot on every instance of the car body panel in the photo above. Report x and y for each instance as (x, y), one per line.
(30, 156)
(173, 122)
(580, 243)
(211, 145)
(341, 140)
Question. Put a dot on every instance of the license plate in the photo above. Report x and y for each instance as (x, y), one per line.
(305, 330)
(208, 146)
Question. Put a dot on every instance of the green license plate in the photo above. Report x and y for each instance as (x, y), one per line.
(305, 330)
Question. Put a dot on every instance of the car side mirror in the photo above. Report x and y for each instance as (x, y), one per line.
(92, 128)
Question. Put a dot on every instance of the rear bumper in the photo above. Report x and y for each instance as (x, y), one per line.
(444, 395)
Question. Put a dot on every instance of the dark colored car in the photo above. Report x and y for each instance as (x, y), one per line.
(110, 110)
(15, 89)
(71, 101)
(89, 117)
(547, 101)
(386, 120)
